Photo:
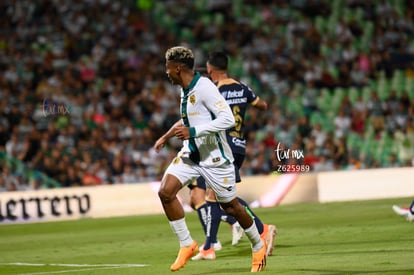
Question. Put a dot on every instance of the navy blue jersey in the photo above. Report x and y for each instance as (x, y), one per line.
(238, 95)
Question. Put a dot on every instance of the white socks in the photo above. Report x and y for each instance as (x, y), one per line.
(180, 229)
(253, 234)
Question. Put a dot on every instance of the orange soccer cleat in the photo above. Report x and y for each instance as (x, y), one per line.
(259, 259)
(268, 234)
(184, 256)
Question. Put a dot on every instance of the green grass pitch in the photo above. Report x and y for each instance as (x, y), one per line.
(363, 237)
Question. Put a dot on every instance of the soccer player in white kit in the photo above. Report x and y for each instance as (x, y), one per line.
(205, 115)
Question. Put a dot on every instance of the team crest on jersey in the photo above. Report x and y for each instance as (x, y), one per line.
(192, 99)
(176, 160)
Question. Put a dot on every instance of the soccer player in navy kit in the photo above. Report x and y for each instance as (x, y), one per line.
(239, 96)
(205, 116)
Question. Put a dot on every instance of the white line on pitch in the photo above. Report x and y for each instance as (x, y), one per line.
(75, 265)
(91, 267)
(73, 270)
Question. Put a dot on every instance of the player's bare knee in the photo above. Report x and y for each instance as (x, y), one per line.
(169, 189)
(165, 196)
(193, 203)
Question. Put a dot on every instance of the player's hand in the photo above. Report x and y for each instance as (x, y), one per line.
(182, 132)
(160, 143)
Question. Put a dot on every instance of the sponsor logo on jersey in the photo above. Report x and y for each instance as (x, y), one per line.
(239, 142)
(234, 93)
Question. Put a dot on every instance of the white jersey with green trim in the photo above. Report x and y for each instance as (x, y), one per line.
(208, 115)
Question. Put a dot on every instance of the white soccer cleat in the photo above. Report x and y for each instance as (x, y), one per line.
(205, 255)
(237, 232)
(400, 211)
(217, 246)
(405, 212)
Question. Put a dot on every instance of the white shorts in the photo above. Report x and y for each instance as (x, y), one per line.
(220, 179)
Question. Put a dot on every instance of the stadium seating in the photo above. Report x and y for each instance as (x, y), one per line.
(259, 45)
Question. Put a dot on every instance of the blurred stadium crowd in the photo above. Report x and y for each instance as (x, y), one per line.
(84, 95)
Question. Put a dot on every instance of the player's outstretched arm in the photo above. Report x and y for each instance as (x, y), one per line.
(260, 104)
(160, 143)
